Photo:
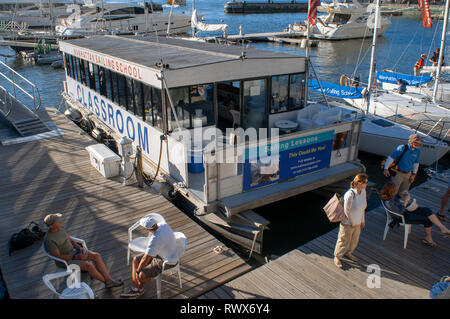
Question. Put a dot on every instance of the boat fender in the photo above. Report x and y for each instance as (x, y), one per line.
(343, 80)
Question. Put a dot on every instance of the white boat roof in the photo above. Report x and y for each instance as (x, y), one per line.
(189, 62)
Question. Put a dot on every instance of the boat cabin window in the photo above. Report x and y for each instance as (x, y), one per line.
(228, 105)
(180, 100)
(132, 95)
(254, 110)
(296, 91)
(152, 106)
(193, 105)
(128, 10)
(280, 97)
(202, 104)
(341, 18)
(382, 123)
(288, 92)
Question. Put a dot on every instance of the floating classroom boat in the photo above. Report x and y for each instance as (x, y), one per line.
(205, 118)
(265, 7)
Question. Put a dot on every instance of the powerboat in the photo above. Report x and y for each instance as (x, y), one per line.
(122, 18)
(344, 20)
(34, 15)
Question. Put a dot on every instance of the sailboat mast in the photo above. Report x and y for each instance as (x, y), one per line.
(372, 58)
(441, 52)
(170, 17)
(193, 8)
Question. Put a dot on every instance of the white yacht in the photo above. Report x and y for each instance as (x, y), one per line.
(204, 117)
(35, 14)
(122, 18)
(344, 20)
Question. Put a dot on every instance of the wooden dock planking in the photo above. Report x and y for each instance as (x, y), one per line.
(309, 271)
(55, 175)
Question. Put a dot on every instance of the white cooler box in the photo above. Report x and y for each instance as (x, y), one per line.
(104, 160)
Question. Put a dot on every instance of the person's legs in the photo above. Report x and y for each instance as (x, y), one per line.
(401, 182)
(90, 268)
(354, 242)
(435, 220)
(135, 290)
(342, 244)
(444, 204)
(428, 236)
(99, 264)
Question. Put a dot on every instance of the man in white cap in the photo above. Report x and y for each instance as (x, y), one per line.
(161, 246)
(59, 244)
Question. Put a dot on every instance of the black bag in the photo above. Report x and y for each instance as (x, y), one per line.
(395, 222)
(25, 237)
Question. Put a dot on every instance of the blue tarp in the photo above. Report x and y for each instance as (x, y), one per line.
(336, 90)
(392, 77)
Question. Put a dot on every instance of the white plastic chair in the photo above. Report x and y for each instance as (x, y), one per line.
(402, 223)
(139, 244)
(71, 291)
(78, 240)
(172, 260)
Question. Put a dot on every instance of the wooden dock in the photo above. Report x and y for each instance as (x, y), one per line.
(309, 271)
(55, 175)
(268, 36)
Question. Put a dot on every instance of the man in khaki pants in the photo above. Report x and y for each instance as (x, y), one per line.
(408, 164)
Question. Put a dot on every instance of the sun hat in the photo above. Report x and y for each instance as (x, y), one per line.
(51, 219)
(147, 222)
(423, 55)
(412, 206)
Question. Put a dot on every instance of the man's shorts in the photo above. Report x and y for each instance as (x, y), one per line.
(154, 268)
(71, 262)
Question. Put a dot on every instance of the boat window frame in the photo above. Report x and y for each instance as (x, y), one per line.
(288, 108)
(190, 108)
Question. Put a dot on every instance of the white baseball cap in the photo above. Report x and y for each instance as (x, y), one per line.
(147, 222)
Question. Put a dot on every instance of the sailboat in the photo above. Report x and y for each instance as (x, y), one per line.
(413, 105)
(378, 135)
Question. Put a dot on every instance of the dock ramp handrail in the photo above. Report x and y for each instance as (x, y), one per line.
(35, 95)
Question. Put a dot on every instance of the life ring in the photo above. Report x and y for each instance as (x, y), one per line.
(339, 140)
(344, 80)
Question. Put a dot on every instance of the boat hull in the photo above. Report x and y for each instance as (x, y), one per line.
(383, 145)
(263, 7)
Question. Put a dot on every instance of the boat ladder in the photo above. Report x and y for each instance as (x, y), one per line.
(16, 107)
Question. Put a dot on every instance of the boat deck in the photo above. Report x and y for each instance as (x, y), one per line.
(309, 271)
(438, 131)
(55, 175)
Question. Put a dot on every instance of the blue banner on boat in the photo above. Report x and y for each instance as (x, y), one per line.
(332, 89)
(290, 158)
(392, 77)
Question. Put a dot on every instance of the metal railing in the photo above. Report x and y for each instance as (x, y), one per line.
(35, 95)
(440, 127)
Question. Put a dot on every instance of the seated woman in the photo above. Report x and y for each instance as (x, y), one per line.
(401, 86)
(421, 215)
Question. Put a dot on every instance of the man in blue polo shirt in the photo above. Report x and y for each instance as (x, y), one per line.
(408, 164)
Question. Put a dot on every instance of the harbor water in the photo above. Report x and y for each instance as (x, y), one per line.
(299, 219)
